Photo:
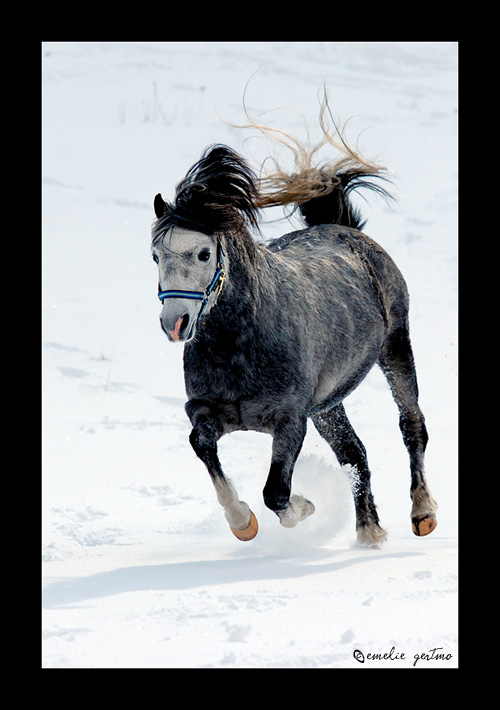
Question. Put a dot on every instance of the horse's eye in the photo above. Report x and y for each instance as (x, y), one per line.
(155, 258)
(204, 255)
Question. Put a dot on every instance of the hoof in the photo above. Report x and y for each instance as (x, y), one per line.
(297, 509)
(423, 526)
(371, 536)
(249, 532)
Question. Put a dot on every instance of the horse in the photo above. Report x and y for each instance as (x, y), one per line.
(281, 332)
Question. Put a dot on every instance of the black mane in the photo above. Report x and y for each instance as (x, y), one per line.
(218, 194)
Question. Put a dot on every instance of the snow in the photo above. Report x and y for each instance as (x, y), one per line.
(140, 569)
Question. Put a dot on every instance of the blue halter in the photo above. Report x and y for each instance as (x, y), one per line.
(203, 296)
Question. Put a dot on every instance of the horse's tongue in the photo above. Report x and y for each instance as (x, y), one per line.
(175, 332)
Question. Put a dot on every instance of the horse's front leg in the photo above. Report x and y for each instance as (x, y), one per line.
(287, 442)
(203, 438)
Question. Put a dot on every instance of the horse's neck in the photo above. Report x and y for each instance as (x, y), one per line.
(245, 257)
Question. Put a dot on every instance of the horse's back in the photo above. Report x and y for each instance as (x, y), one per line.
(349, 257)
(354, 295)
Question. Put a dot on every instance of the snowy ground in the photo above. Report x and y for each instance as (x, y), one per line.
(139, 566)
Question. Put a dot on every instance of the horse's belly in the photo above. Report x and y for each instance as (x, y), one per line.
(334, 385)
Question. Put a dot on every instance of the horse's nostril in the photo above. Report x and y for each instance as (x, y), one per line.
(180, 325)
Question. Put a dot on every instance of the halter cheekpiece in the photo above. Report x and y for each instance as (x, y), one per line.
(203, 296)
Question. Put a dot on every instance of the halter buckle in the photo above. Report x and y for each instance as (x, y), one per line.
(222, 281)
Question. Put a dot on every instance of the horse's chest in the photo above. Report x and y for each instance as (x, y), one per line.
(245, 390)
(227, 377)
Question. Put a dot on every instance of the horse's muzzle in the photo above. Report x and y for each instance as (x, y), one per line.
(180, 331)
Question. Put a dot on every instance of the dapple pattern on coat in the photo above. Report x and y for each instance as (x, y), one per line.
(291, 329)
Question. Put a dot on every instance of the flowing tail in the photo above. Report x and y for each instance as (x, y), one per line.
(321, 193)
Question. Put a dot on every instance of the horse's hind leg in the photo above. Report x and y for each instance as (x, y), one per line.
(333, 425)
(396, 361)
(203, 439)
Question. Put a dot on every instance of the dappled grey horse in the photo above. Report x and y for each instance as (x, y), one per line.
(279, 333)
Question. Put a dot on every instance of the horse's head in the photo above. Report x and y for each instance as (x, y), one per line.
(191, 275)
(218, 195)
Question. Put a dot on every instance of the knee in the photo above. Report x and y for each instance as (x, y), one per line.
(203, 439)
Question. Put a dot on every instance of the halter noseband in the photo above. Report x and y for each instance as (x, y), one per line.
(216, 283)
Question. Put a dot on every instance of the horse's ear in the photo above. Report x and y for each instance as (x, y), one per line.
(161, 207)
